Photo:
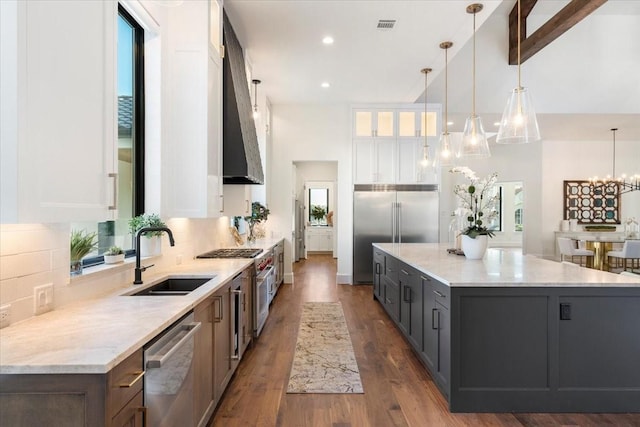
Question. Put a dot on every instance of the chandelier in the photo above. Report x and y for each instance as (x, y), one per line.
(624, 183)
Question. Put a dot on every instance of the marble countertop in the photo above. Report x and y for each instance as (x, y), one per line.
(92, 337)
(499, 268)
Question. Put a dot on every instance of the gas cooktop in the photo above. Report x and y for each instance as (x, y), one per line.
(231, 253)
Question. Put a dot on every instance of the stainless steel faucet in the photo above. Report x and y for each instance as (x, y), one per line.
(139, 269)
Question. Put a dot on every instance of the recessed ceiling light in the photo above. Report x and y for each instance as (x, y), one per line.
(327, 40)
(325, 84)
(496, 123)
(449, 123)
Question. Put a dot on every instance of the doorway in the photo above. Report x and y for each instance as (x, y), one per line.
(315, 208)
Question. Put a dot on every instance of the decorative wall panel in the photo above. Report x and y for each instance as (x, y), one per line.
(592, 203)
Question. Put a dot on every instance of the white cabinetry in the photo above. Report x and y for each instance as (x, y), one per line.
(58, 111)
(388, 144)
(320, 239)
(193, 164)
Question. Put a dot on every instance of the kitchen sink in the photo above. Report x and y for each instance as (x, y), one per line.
(174, 286)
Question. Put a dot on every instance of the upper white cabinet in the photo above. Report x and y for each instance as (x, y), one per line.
(388, 143)
(193, 165)
(58, 112)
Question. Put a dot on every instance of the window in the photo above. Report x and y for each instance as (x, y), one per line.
(318, 206)
(495, 224)
(131, 132)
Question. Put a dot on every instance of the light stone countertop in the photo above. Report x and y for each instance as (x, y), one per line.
(92, 337)
(500, 268)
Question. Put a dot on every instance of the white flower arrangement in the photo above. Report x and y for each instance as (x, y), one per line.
(477, 201)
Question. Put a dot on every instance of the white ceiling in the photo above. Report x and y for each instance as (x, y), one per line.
(585, 80)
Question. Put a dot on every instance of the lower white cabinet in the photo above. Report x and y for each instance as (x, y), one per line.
(320, 239)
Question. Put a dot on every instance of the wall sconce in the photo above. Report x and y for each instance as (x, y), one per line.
(256, 113)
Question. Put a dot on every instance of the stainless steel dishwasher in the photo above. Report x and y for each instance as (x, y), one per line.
(168, 381)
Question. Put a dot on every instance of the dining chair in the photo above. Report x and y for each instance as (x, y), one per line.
(630, 251)
(568, 249)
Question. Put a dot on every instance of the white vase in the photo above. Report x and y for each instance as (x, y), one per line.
(474, 248)
(113, 259)
(150, 246)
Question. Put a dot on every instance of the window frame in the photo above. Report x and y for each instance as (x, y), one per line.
(138, 128)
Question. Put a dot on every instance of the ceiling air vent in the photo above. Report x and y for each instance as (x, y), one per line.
(386, 24)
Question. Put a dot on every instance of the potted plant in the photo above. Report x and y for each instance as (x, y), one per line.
(151, 244)
(478, 203)
(114, 255)
(259, 213)
(81, 243)
(318, 212)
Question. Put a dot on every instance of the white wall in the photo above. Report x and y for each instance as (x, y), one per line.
(312, 133)
(576, 160)
(36, 254)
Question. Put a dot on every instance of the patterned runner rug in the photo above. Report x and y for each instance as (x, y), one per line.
(324, 361)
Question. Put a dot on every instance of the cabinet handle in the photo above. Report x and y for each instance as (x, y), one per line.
(218, 319)
(427, 278)
(222, 203)
(435, 319)
(114, 206)
(405, 272)
(377, 268)
(143, 409)
(441, 295)
(138, 375)
(247, 210)
(407, 297)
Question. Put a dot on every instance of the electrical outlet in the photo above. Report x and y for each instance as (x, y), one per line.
(5, 316)
(42, 298)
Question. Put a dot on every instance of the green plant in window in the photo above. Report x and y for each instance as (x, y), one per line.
(114, 250)
(318, 212)
(82, 243)
(146, 220)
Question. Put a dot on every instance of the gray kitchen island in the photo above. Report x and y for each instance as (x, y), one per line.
(512, 332)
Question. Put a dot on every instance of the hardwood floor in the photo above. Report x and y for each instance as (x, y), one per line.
(398, 389)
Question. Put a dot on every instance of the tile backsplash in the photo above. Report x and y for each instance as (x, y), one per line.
(32, 255)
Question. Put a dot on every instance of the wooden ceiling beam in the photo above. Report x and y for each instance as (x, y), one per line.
(561, 22)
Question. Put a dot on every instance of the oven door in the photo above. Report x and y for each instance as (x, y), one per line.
(262, 300)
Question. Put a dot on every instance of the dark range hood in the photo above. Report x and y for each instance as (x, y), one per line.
(241, 155)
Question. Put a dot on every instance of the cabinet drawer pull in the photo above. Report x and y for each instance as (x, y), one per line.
(407, 295)
(440, 294)
(404, 272)
(377, 268)
(219, 318)
(427, 278)
(435, 319)
(138, 375)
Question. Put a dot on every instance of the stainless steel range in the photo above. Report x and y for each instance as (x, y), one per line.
(263, 280)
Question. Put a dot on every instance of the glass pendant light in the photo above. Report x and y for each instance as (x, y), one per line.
(474, 139)
(425, 161)
(446, 153)
(519, 124)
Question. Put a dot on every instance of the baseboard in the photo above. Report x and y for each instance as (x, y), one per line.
(344, 279)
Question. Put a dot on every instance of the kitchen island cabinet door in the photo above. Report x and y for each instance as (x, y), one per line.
(203, 362)
(58, 115)
(391, 299)
(378, 271)
(411, 305)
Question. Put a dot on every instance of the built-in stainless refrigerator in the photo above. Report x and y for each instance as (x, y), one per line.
(391, 214)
